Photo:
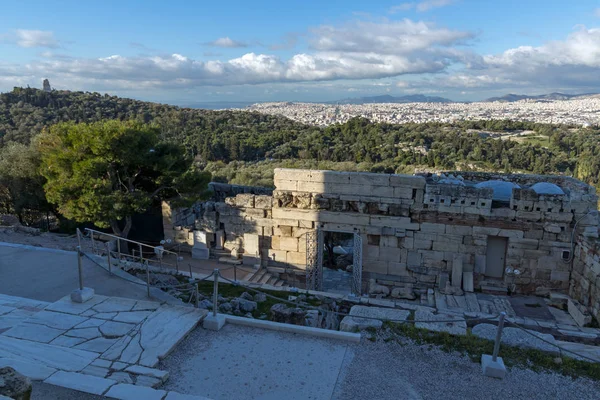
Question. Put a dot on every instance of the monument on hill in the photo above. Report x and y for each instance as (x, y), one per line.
(46, 85)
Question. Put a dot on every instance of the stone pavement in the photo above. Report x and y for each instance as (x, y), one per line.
(337, 281)
(107, 344)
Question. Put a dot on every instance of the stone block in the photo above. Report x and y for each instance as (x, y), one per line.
(390, 254)
(432, 227)
(467, 283)
(378, 267)
(213, 323)
(219, 239)
(200, 239)
(200, 254)
(371, 252)
(244, 200)
(288, 243)
(491, 368)
(82, 295)
(397, 268)
(263, 202)
(293, 257)
(417, 182)
(283, 230)
(422, 244)
(457, 271)
(282, 184)
(251, 244)
(403, 192)
(459, 230)
(579, 313)
(413, 259)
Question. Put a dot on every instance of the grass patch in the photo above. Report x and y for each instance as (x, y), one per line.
(474, 347)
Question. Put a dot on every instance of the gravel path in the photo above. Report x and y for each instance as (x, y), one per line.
(392, 371)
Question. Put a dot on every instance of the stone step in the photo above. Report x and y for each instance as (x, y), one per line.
(230, 261)
(494, 289)
(258, 276)
(272, 280)
(266, 277)
(248, 277)
(279, 283)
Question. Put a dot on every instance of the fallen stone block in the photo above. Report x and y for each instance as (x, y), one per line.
(436, 322)
(517, 338)
(579, 313)
(375, 317)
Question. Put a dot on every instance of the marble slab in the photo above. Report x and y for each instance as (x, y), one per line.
(62, 358)
(80, 382)
(164, 329)
(36, 372)
(65, 305)
(33, 332)
(56, 320)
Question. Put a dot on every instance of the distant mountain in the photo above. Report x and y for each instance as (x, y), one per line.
(413, 98)
(509, 98)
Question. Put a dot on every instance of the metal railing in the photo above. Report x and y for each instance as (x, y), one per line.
(103, 246)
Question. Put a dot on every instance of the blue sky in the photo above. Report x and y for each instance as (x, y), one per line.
(202, 51)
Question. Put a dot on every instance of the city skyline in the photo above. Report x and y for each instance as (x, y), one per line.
(269, 51)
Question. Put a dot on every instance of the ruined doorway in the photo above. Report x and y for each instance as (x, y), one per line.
(495, 256)
(334, 262)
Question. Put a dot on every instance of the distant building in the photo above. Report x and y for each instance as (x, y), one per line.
(46, 85)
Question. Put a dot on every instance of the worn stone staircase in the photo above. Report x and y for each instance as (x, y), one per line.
(264, 277)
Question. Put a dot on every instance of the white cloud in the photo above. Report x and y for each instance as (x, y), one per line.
(30, 38)
(227, 42)
(421, 6)
(357, 50)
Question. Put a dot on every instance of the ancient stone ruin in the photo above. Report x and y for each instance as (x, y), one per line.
(500, 233)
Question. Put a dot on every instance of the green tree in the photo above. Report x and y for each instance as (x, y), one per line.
(21, 185)
(105, 172)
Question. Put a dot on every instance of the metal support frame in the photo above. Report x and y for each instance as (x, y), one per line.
(314, 260)
(357, 265)
(215, 292)
(498, 336)
(108, 258)
(79, 267)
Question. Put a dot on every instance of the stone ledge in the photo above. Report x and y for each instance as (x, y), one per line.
(276, 326)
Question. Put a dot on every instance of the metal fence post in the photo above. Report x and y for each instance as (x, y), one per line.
(141, 254)
(78, 237)
(197, 295)
(190, 265)
(108, 257)
(215, 291)
(93, 243)
(498, 336)
(119, 248)
(148, 278)
(79, 268)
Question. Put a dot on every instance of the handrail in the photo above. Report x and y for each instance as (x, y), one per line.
(92, 231)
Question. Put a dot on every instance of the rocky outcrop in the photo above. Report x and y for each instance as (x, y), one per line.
(288, 315)
(14, 385)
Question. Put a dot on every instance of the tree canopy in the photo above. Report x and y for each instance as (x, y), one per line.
(104, 172)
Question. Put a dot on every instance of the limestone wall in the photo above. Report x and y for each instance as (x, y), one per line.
(585, 277)
(413, 227)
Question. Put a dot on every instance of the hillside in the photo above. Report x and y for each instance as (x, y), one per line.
(213, 135)
(244, 146)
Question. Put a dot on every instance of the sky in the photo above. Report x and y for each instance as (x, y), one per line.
(185, 52)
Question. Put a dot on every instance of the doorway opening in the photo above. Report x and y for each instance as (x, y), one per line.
(338, 262)
(496, 257)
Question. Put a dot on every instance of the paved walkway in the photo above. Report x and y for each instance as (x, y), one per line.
(250, 363)
(107, 344)
(48, 274)
(337, 281)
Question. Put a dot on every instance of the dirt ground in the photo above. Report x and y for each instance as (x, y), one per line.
(9, 234)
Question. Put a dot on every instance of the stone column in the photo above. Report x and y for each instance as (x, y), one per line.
(200, 250)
